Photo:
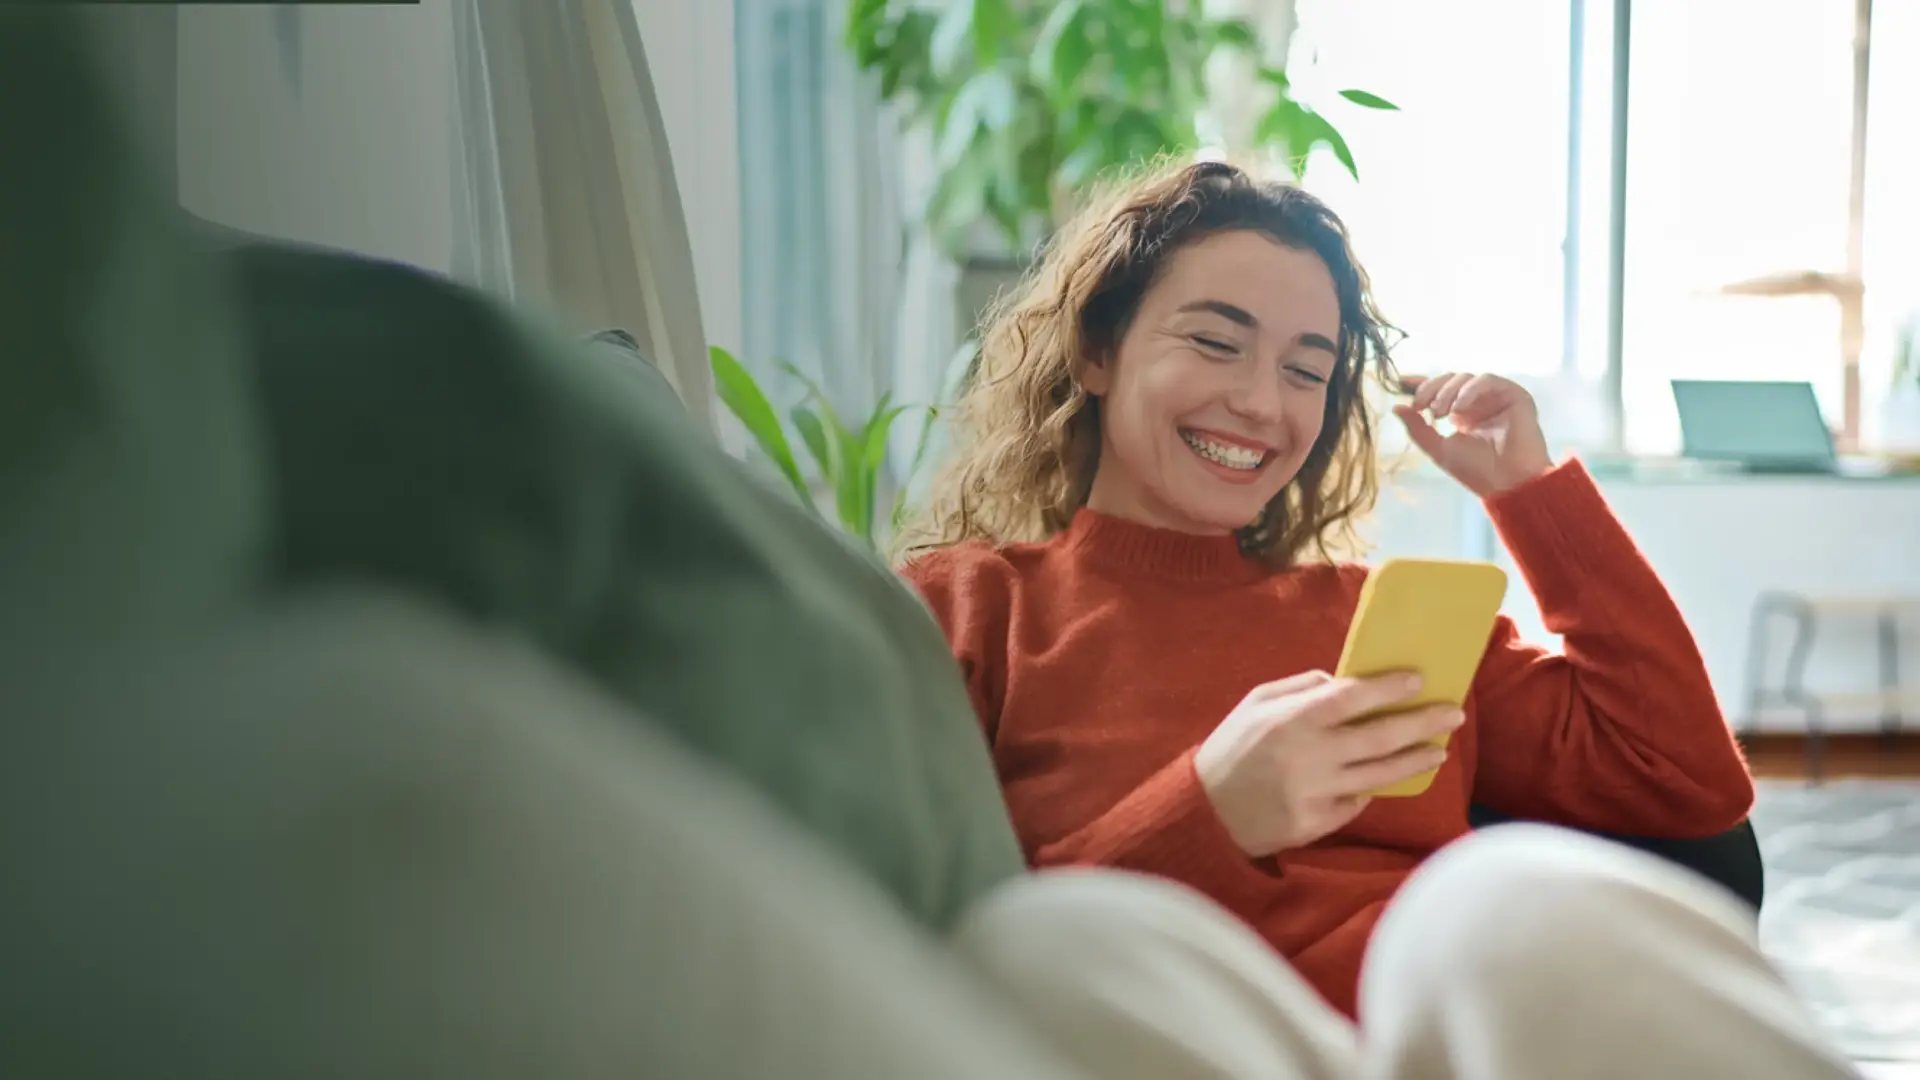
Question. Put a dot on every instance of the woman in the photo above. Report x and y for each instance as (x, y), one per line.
(1130, 557)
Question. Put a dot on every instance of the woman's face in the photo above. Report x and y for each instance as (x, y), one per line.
(1218, 389)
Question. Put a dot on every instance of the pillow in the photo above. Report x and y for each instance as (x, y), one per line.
(423, 437)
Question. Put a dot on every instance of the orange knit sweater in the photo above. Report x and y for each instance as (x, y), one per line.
(1099, 659)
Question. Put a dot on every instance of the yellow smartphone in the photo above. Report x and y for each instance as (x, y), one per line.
(1433, 616)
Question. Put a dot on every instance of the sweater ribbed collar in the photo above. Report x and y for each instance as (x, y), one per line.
(1133, 548)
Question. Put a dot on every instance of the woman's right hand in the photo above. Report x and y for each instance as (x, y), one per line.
(1286, 767)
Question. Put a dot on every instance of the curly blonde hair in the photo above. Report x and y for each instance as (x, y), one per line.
(1026, 436)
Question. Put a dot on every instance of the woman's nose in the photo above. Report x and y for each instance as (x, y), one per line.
(1259, 397)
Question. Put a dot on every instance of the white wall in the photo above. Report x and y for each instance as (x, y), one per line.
(361, 158)
(1719, 543)
(690, 47)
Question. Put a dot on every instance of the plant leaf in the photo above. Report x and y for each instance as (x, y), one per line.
(744, 398)
(958, 124)
(960, 370)
(1371, 101)
(850, 486)
(1290, 128)
(814, 435)
(1139, 135)
(912, 48)
(952, 45)
(993, 24)
(865, 19)
(873, 461)
(874, 438)
(999, 99)
(1318, 130)
(909, 487)
(814, 393)
(922, 446)
(959, 200)
(1235, 32)
(844, 451)
(1061, 51)
(1086, 162)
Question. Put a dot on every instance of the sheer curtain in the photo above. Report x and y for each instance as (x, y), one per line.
(838, 280)
(564, 187)
(822, 235)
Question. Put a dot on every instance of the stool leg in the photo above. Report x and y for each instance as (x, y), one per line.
(1793, 689)
(1756, 661)
(1816, 743)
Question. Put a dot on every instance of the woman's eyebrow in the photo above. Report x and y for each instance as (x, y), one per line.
(1227, 311)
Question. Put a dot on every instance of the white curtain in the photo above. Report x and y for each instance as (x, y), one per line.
(839, 281)
(564, 188)
(821, 223)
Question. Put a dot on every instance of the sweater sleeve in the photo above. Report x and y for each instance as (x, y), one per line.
(1622, 733)
(1165, 826)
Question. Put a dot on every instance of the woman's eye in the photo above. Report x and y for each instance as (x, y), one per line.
(1212, 344)
(1309, 375)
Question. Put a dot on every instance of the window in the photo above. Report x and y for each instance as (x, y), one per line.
(1737, 170)
(1892, 240)
(1461, 208)
(1485, 212)
(1739, 134)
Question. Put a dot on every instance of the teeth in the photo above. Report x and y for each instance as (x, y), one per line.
(1233, 457)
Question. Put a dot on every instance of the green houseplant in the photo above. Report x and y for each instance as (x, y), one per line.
(849, 456)
(1030, 100)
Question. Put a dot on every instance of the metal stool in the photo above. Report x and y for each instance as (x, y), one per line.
(1892, 698)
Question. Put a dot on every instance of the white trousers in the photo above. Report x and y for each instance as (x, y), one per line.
(1520, 953)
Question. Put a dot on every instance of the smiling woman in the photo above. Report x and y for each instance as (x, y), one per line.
(1129, 558)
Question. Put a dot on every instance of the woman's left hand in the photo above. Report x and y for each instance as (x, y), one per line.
(1496, 444)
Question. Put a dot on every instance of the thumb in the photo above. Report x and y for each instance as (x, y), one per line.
(1421, 431)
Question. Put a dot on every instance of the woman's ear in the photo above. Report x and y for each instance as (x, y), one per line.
(1096, 377)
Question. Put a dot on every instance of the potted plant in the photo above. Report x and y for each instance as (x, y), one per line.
(1028, 101)
(849, 470)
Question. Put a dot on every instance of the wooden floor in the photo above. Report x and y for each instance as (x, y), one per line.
(1786, 756)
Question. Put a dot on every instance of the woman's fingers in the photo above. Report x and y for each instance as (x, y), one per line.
(1424, 390)
(1382, 737)
(1443, 400)
(1338, 701)
(1428, 392)
(1289, 686)
(1422, 433)
(1370, 776)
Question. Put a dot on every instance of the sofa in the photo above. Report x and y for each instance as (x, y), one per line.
(399, 686)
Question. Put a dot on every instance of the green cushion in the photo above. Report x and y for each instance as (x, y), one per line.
(423, 437)
(130, 496)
